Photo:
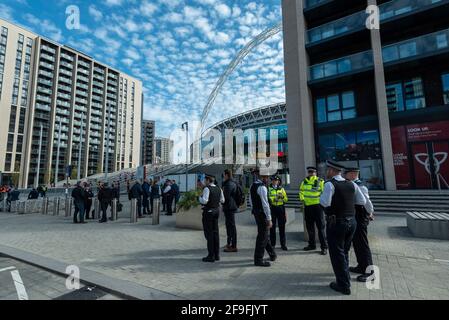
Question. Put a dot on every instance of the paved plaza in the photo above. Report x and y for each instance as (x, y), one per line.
(167, 260)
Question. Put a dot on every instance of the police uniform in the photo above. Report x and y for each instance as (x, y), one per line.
(278, 198)
(339, 199)
(360, 241)
(309, 193)
(262, 214)
(211, 198)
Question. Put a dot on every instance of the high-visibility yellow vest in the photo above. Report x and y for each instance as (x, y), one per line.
(278, 196)
(311, 190)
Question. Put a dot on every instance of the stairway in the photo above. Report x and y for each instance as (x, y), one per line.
(397, 202)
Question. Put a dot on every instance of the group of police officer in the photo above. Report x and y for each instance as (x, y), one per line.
(339, 208)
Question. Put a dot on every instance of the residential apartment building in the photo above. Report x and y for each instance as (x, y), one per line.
(148, 135)
(373, 97)
(63, 112)
(163, 148)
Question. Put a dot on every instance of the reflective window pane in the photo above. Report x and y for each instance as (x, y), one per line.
(333, 103)
(348, 100)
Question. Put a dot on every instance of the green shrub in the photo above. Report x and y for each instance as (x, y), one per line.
(189, 200)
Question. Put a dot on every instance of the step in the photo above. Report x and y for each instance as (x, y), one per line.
(411, 197)
(428, 202)
(406, 209)
(417, 205)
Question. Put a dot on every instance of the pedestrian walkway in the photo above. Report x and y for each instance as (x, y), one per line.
(169, 260)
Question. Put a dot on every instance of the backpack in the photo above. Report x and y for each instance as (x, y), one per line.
(239, 196)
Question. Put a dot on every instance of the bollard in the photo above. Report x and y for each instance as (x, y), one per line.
(45, 206)
(68, 207)
(56, 207)
(156, 211)
(96, 214)
(21, 207)
(5, 205)
(133, 214)
(114, 210)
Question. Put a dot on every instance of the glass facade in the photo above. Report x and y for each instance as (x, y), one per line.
(406, 95)
(335, 107)
(361, 148)
(445, 81)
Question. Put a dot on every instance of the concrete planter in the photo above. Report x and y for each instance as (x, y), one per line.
(191, 219)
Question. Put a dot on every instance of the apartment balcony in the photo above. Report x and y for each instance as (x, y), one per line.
(99, 92)
(84, 64)
(63, 113)
(66, 65)
(65, 72)
(358, 62)
(43, 98)
(48, 57)
(96, 120)
(47, 65)
(45, 82)
(67, 57)
(67, 89)
(43, 107)
(64, 96)
(433, 44)
(48, 49)
(99, 70)
(45, 74)
(96, 113)
(82, 78)
(43, 90)
(112, 76)
(63, 104)
(80, 100)
(99, 77)
(112, 96)
(356, 22)
(81, 93)
(65, 80)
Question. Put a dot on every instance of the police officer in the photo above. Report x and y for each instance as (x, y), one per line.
(262, 213)
(339, 199)
(363, 216)
(278, 198)
(210, 199)
(309, 194)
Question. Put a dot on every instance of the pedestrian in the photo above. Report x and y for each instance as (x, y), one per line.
(278, 198)
(136, 192)
(210, 199)
(363, 216)
(34, 195)
(105, 196)
(168, 195)
(145, 197)
(79, 200)
(262, 214)
(164, 196)
(339, 199)
(89, 200)
(155, 194)
(13, 196)
(230, 208)
(176, 194)
(309, 194)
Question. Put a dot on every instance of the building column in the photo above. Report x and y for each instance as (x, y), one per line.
(382, 109)
(300, 119)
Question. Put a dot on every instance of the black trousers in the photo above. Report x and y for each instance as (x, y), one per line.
(279, 220)
(361, 244)
(262, 242)
(314, 216)
(169, 204)
(340, 235)
(104, 205)
(211, 233)
(139, 207)
(231, 228)
(146, 205)
(88, 208)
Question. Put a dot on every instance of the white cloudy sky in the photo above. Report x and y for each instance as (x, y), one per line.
(178, 48)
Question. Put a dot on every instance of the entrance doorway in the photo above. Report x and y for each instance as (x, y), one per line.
(431, 164)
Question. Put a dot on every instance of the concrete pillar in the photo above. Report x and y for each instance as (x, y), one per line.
(298, 97)
(382, 109)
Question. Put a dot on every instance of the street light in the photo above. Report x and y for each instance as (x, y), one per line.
(185, 127)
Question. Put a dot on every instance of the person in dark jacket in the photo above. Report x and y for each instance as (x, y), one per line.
(168, 195)
(105, 196)
(89, 200)
(136, 192)
(176, 193)
(230, 208)
(34, 195)
(13, 196)
(79, 200)
(145, 197)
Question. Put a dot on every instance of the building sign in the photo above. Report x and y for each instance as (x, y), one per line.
(428, 132)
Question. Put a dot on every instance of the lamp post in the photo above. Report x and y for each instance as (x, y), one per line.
(185, 127)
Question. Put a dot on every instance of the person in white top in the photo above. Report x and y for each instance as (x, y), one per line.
(364, 214)
(339, 199)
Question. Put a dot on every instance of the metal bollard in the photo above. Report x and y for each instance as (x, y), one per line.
(114, 210)
(97, 213)
(68, 207)
(56, 207)
(133, 214)
(156, 211)
(45, 202)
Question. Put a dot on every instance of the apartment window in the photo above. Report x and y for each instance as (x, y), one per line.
(12, 119)
(4, 31)
(17, 163)
(22, 120)
(336, 107)
(445, 79)
(8, 162)
(10, 145)
(406, 95)
(19, 144)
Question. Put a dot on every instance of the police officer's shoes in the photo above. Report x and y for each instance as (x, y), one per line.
(209, 259)
(284, 248)
(273, 257)
(324, 252)
(367, 277)
(336, 287)
(309, 248)
(262, 264)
